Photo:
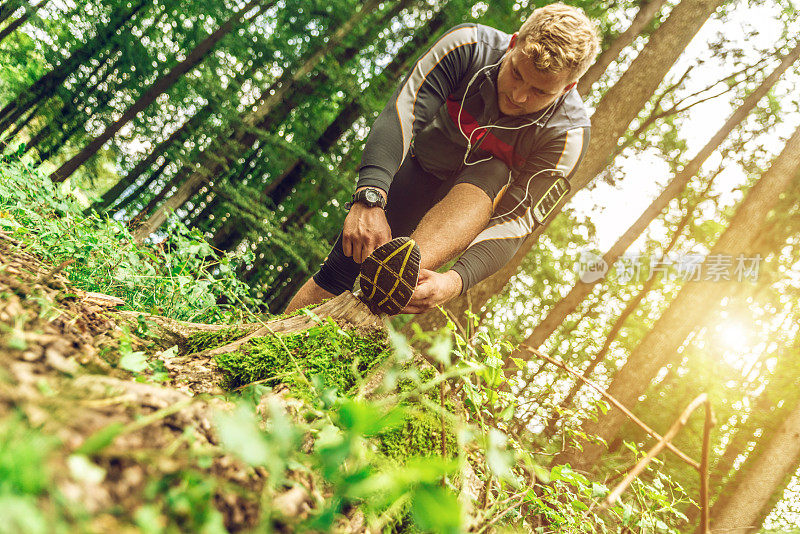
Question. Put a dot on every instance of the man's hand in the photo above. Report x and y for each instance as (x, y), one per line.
(365, 229)
(433, 289)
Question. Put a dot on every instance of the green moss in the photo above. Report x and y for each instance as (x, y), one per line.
(209, 340)
(421, 432)
(296, 312)
(419, 435)
(338, 357)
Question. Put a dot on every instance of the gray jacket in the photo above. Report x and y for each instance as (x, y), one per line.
(451, 91)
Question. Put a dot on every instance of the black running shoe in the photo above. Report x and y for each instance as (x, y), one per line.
(389, 275)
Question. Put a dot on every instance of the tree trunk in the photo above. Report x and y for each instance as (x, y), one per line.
(643, 17)
(149, 96)
(60, 119)
(774, 461)
(44, 86)
(581, 290)
(659, 346)
(294, 98)
(7, 9)
(615, 111)
(764, 416)
(243, 137)
(186, 129)
(125, 202)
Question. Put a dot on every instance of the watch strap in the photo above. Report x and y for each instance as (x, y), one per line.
(361, 196)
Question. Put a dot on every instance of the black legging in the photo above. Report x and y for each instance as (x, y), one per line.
(413, 192)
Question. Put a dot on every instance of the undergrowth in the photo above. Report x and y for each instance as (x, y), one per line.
(181, 278)
(429, 448)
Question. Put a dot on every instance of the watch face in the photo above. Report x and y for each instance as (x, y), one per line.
(372, 196)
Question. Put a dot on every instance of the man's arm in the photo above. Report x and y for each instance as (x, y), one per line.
(513, 220)
(493, 245)
(432, 78)
(365, 229)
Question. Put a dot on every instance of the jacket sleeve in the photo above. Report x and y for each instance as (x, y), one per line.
(513, 221)
(434, 76)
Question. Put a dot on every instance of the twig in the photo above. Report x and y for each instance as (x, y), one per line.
(705, 527)
(54, 271)
(441, 417)
(658, 447)
(504, 512)
(616, 403)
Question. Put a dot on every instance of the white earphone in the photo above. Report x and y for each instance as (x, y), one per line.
(469, 138)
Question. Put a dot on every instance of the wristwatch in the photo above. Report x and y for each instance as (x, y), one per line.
(369, 196)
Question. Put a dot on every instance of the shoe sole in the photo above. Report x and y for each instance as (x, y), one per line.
(389, 275)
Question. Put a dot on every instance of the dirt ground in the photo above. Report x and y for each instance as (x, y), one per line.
(59, 347)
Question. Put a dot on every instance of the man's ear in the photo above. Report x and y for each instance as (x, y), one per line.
(513, 41)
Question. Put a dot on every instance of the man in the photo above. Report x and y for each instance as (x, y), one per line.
(469, 156)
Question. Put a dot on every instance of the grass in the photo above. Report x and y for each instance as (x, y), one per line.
(185, 282)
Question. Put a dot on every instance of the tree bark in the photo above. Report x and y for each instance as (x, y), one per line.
(614, 113)
(774, 461)
(581, 290)
(659, 346)
(643, 17)
(243, 137)
(149, 96)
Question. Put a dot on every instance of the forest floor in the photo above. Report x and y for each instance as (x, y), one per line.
(117, 421)
(173, 413)
(64, 369)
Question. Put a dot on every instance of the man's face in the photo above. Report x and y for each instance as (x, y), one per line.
(522, 89)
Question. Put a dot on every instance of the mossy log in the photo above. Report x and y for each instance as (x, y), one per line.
(346, 308)
(196, 365)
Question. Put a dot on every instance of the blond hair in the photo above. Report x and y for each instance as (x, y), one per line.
(559, 38)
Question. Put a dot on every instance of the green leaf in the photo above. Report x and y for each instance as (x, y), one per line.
(366, 419)
(507, 413)
(240, 434)
(100, 439)
(23, 514)
(170, 352)
(135, 362)
(436, 509)
(579, 506)
(542, 473)
(498, 458)
(519, 362)
(441, 348)
(402, 350)
(84, 470)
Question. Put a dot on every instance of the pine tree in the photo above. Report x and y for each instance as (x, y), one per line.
(159, 87)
